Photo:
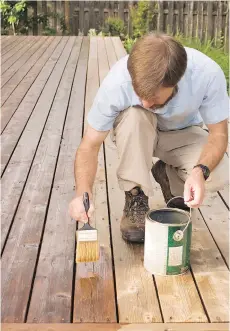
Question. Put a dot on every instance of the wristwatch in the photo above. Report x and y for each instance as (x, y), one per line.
(205, 170)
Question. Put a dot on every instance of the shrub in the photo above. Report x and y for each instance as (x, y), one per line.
(113, 27)
(141, 14)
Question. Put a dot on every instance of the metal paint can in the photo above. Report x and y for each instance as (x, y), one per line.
(167, 241)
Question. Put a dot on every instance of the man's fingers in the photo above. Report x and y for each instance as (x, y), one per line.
(187, 193)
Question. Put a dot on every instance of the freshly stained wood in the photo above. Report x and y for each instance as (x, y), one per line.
(117, 327)
(32, 207)
(136, 294)
(15, 177)
(51, 298)
(33, 82)
(12, 49)
(9, 87)
(215, 214)
(16, 59)
(94, 281)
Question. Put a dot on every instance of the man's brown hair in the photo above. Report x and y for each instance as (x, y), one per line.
(156, 60)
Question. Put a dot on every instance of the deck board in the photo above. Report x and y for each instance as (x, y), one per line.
(49, 89)
(92, 305)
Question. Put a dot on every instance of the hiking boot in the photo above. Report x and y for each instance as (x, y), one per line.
(160, 176)
(133, 220)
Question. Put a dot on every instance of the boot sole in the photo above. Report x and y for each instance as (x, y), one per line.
(134, 240)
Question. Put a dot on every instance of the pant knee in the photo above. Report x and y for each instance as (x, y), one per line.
(136, 116)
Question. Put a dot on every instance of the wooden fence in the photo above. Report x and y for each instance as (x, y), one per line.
(204, 19)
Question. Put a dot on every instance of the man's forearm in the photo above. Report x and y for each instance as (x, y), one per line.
(85, 169)
(213, 150)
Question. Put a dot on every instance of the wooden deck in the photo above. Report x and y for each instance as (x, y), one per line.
(47, 87)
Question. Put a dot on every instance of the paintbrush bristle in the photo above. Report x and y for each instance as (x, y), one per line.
(87, 251)
(87, 246)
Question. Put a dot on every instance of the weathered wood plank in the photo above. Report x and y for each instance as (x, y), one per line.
(35, 82)
(119, 49)
(27, 45)
(21, 73)
(13, 48)
(19, 96)
(136, 294)
(210, 272)
(117, 327)
(94, 281)
(54, 276)
(15, 67)
(25, 236)
(215, 214)
(14, 178)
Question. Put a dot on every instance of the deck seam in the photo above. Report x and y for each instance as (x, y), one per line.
(200, 296)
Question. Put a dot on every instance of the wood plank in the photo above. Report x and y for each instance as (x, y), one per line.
(15, 67)
(118, 46)
(33, 83)
(116, 327)
(215, 214)
(94, 287)
(15, 176)
(210, 272)
(56, 261)
(9, 87)
(27, 44)
(13, 48)
(30, 80)
(136, 294)
(26, 232)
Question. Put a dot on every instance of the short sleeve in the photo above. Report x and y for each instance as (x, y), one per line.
(106, 107)
(215, 105)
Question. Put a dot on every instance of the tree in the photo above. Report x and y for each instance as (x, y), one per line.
(11, 12)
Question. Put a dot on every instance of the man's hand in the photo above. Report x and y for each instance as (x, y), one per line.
(77, 210)
(194, 189)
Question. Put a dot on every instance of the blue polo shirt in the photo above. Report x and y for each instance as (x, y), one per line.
(202, 96)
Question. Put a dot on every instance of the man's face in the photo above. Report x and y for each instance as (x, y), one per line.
(161, 98)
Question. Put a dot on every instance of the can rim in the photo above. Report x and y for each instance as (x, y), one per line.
(169, 209)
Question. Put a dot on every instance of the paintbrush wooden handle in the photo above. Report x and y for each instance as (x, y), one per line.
(86, 203)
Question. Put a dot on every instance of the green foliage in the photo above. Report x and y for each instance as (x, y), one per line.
(12, 12)
(113, 27)
(216, 53)
(128, 43)
(141, 15)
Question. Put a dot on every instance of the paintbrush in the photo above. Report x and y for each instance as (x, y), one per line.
(87, 238)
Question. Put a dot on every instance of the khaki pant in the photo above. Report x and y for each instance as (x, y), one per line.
(138, 140)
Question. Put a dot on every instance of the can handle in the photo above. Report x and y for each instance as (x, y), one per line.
(179, 234)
